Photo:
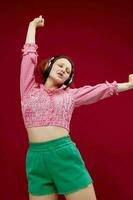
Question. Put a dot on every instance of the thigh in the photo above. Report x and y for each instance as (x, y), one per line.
(43, 197)
(86, 193)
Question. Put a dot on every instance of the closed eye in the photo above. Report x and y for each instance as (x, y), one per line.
(67, 69)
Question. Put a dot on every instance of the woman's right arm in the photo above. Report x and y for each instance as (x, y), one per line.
(31, 33)
(37, 22)
(29, 57)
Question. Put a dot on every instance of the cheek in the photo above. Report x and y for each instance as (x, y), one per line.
(52, 71)
(55, 67)
(66, 78)
(67, 75)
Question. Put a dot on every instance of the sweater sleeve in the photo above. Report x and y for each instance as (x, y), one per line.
(90, 94)
(28, 65)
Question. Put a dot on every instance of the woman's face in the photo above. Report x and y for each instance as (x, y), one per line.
(61, 70)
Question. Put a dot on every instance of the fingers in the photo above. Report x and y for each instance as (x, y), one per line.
(41, 19)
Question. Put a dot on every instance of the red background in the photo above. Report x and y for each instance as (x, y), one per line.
(98, 36)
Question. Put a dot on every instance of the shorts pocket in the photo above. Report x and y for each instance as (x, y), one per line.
(77, 155)
(29, 160)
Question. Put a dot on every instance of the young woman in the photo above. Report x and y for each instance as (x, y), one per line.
(54, 164)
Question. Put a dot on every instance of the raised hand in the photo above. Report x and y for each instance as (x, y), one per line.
(38, 22)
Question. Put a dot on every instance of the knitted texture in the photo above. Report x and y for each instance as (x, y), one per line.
(45, 107)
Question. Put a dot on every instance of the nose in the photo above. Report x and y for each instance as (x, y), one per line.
(62, 70)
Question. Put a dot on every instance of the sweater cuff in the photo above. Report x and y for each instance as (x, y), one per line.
(29, 48)
(113, 87)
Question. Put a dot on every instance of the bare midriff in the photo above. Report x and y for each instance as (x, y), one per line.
(45, 133)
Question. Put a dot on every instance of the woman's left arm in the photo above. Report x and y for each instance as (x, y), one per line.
(126, 86)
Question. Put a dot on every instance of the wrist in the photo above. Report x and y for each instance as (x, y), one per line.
(130, 84)
(32, 24)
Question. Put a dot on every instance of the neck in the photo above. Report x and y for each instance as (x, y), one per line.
(50, 85)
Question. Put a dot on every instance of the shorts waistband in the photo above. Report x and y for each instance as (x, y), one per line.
(50, 144)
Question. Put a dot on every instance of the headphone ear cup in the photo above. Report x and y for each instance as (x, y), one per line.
(47, 71)
(69, 80)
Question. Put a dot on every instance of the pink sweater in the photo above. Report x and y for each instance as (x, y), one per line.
(44, 107)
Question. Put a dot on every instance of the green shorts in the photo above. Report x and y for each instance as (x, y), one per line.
(55, 166)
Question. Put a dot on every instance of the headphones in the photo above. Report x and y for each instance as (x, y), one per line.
(51, 61)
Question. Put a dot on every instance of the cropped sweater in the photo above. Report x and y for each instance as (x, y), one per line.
(44, 107)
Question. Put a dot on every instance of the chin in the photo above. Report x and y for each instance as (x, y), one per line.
(59, 81)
